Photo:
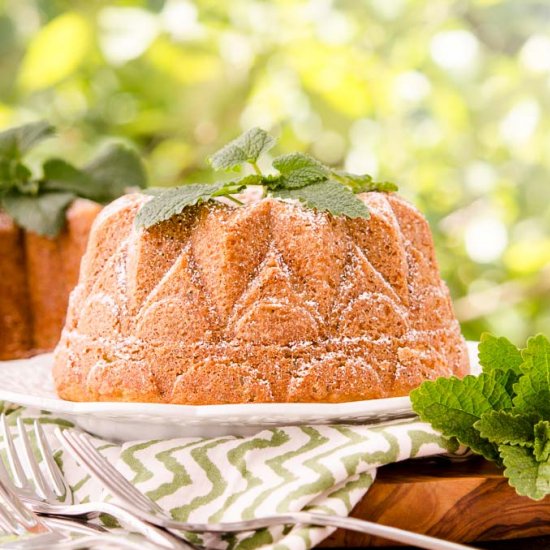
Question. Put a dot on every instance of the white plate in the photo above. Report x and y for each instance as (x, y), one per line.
(29, 382)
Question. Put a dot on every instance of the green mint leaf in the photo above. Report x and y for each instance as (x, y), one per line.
(533, 388)
(508, 379)
(173, 201)
(15, 142)
(15, 175)
(498, 353)
(113, 171)
(154, 191)
(246, 148)
(527, 475)
(327, 196)
(59, 175)
(505, 427)
(43, 214)
(363, 183)
(5, 173)
(298, 170)
(453, 406)
(542, 441)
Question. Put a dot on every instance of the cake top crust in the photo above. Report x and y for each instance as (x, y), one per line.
(271, 271)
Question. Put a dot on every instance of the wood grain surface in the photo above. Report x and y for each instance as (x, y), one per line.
(463, 501)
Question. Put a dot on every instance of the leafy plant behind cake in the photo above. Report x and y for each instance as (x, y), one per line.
(38, 203)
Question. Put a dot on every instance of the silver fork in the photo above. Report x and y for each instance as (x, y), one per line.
(17, 520)
(79, 445)
(37, 533)
(51, 495)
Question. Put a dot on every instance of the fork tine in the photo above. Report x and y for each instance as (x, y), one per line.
(35, 472)
(112, 474)
(7, 524)
(89, 457)
(129, 489)
(5, 477)
(19, 513)
(15, 464)
(84, 458)
(55, 475)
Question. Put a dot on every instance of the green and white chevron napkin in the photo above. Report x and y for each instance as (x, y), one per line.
(314, 468)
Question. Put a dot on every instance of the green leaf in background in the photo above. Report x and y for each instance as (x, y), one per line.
(498, 353)
(527, 475)
(298, 170)
(15, 175)
(504, 427)
(44, 213)
(173, 201)
(114, 170)
(39, 204)
(533, 388)
(105, 178)
(363, 183)
(15, 142)
(246, 148)
(60, 175)
(542, 440)
(55, 51)
(327, 196)
(454, 406)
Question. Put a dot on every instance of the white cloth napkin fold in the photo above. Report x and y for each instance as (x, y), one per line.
(311, 468)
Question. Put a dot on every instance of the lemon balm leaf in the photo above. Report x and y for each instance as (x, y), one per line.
(525, 473)
(298, 170)
(453, 406)
(327, 196)
(246, 148)
(505, 427)
(533, 387)
(174, 201)
(498, 353)
(43, 214)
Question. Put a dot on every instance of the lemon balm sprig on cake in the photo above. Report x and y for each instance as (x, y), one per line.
(38, 203)
(299, 177)
(503, 414)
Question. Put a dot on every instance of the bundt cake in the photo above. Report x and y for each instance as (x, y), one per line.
(37, 274)
(267, 302)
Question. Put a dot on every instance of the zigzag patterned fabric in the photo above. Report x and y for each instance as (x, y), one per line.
(310, 468)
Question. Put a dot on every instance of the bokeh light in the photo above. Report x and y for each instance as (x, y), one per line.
(449, 99)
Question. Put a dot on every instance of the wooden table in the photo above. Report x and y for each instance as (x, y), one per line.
(463, 501)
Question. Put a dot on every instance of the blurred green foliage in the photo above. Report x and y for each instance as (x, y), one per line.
(451, 99)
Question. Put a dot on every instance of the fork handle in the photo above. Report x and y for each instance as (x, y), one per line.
(310, 518)
(92, 510)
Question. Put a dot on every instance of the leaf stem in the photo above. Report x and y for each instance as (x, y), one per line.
(256, 167)
(237, 201)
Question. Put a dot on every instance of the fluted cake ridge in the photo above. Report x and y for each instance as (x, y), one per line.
(268, 302)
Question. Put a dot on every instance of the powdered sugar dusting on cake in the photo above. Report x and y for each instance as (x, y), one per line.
(271, 301)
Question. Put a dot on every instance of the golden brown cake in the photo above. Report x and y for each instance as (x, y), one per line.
(270, 302)
(53, 265)
(37, 274)
(15, 315)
